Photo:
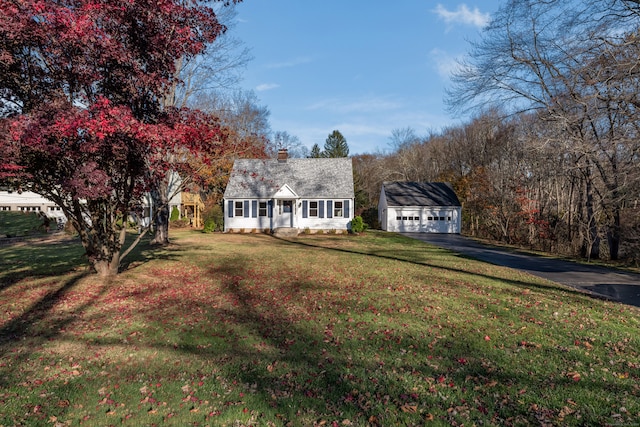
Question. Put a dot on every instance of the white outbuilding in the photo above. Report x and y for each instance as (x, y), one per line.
(419, 207)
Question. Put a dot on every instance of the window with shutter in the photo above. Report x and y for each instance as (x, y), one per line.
(337, 209)
(239, 210)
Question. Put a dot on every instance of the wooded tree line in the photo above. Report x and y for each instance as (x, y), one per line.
(514, 187)
(551, 161)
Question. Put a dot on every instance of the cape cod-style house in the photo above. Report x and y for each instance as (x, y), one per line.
(420, 207)
(290, 195)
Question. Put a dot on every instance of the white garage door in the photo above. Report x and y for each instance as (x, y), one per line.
(408, 221)
(437, 222)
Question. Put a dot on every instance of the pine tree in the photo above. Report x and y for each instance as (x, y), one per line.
(336, 145)
(315, 152)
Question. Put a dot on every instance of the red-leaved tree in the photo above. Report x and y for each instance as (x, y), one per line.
(81, 121)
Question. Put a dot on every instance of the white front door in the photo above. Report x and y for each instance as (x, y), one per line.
(284, 216)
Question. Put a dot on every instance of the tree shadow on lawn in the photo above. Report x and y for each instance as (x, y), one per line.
(36, 259)
(36, 324)
(462, 371)
(399, 375)
(39, 259)
(305, 372)
(409, 256)
(53, 260)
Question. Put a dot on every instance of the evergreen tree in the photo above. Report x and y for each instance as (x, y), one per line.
(336, 145)
(315, 152)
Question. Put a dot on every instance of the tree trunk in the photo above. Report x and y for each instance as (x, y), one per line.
(591, 245)
(161, 215)
(106, 268)
(614, 236)
(103, 252)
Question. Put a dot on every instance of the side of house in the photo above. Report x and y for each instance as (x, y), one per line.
(283, 193)
(27, 201)
(420, 207)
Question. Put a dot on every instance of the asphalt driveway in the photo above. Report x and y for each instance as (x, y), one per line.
(613, 284)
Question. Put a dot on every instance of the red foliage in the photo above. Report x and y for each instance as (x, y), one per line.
(80, 89)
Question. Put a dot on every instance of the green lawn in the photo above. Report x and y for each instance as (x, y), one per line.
(251, 330)
(15, 224)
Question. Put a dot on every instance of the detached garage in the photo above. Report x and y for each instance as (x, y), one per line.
(419, 207)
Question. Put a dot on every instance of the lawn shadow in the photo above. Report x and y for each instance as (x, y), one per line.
(59, 255)
(310, 364)
(31, 324)
(287, 358)
(406, 257)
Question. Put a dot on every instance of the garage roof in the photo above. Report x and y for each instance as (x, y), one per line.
(420, 194)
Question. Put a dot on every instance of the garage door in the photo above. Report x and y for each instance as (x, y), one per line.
(436, 222)
(408, 222)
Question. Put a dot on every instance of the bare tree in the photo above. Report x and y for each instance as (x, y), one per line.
(575, 63)
(218, 68)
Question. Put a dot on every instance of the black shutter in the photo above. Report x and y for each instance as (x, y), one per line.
(346, 208)
(230, 209)
(321, 208)
(329, 208)
(254, 209)
(270, 204)
(304, 209)
(246, 209)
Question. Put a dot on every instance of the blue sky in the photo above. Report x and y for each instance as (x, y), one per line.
(362, 67)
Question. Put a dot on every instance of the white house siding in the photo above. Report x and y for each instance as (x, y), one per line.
(25, 201)
(28, 201)
(250, 218)
(300, 218)
(325, 217)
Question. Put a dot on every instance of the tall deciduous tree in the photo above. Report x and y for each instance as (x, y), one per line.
(575, 63)
(218, 69)
(247, 125)
(84, 80)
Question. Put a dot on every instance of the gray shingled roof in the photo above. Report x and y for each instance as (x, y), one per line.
(308, 178)
(420, 194)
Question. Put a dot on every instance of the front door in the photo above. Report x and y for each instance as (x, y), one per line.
(285, 213)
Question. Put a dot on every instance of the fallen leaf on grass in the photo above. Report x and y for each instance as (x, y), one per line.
(574, 376)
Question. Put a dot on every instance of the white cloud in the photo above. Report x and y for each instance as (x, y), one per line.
(363, 105)
(267, 86)
(463, 15)
(445, 63)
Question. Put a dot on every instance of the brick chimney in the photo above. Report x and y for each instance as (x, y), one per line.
(283, 155)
